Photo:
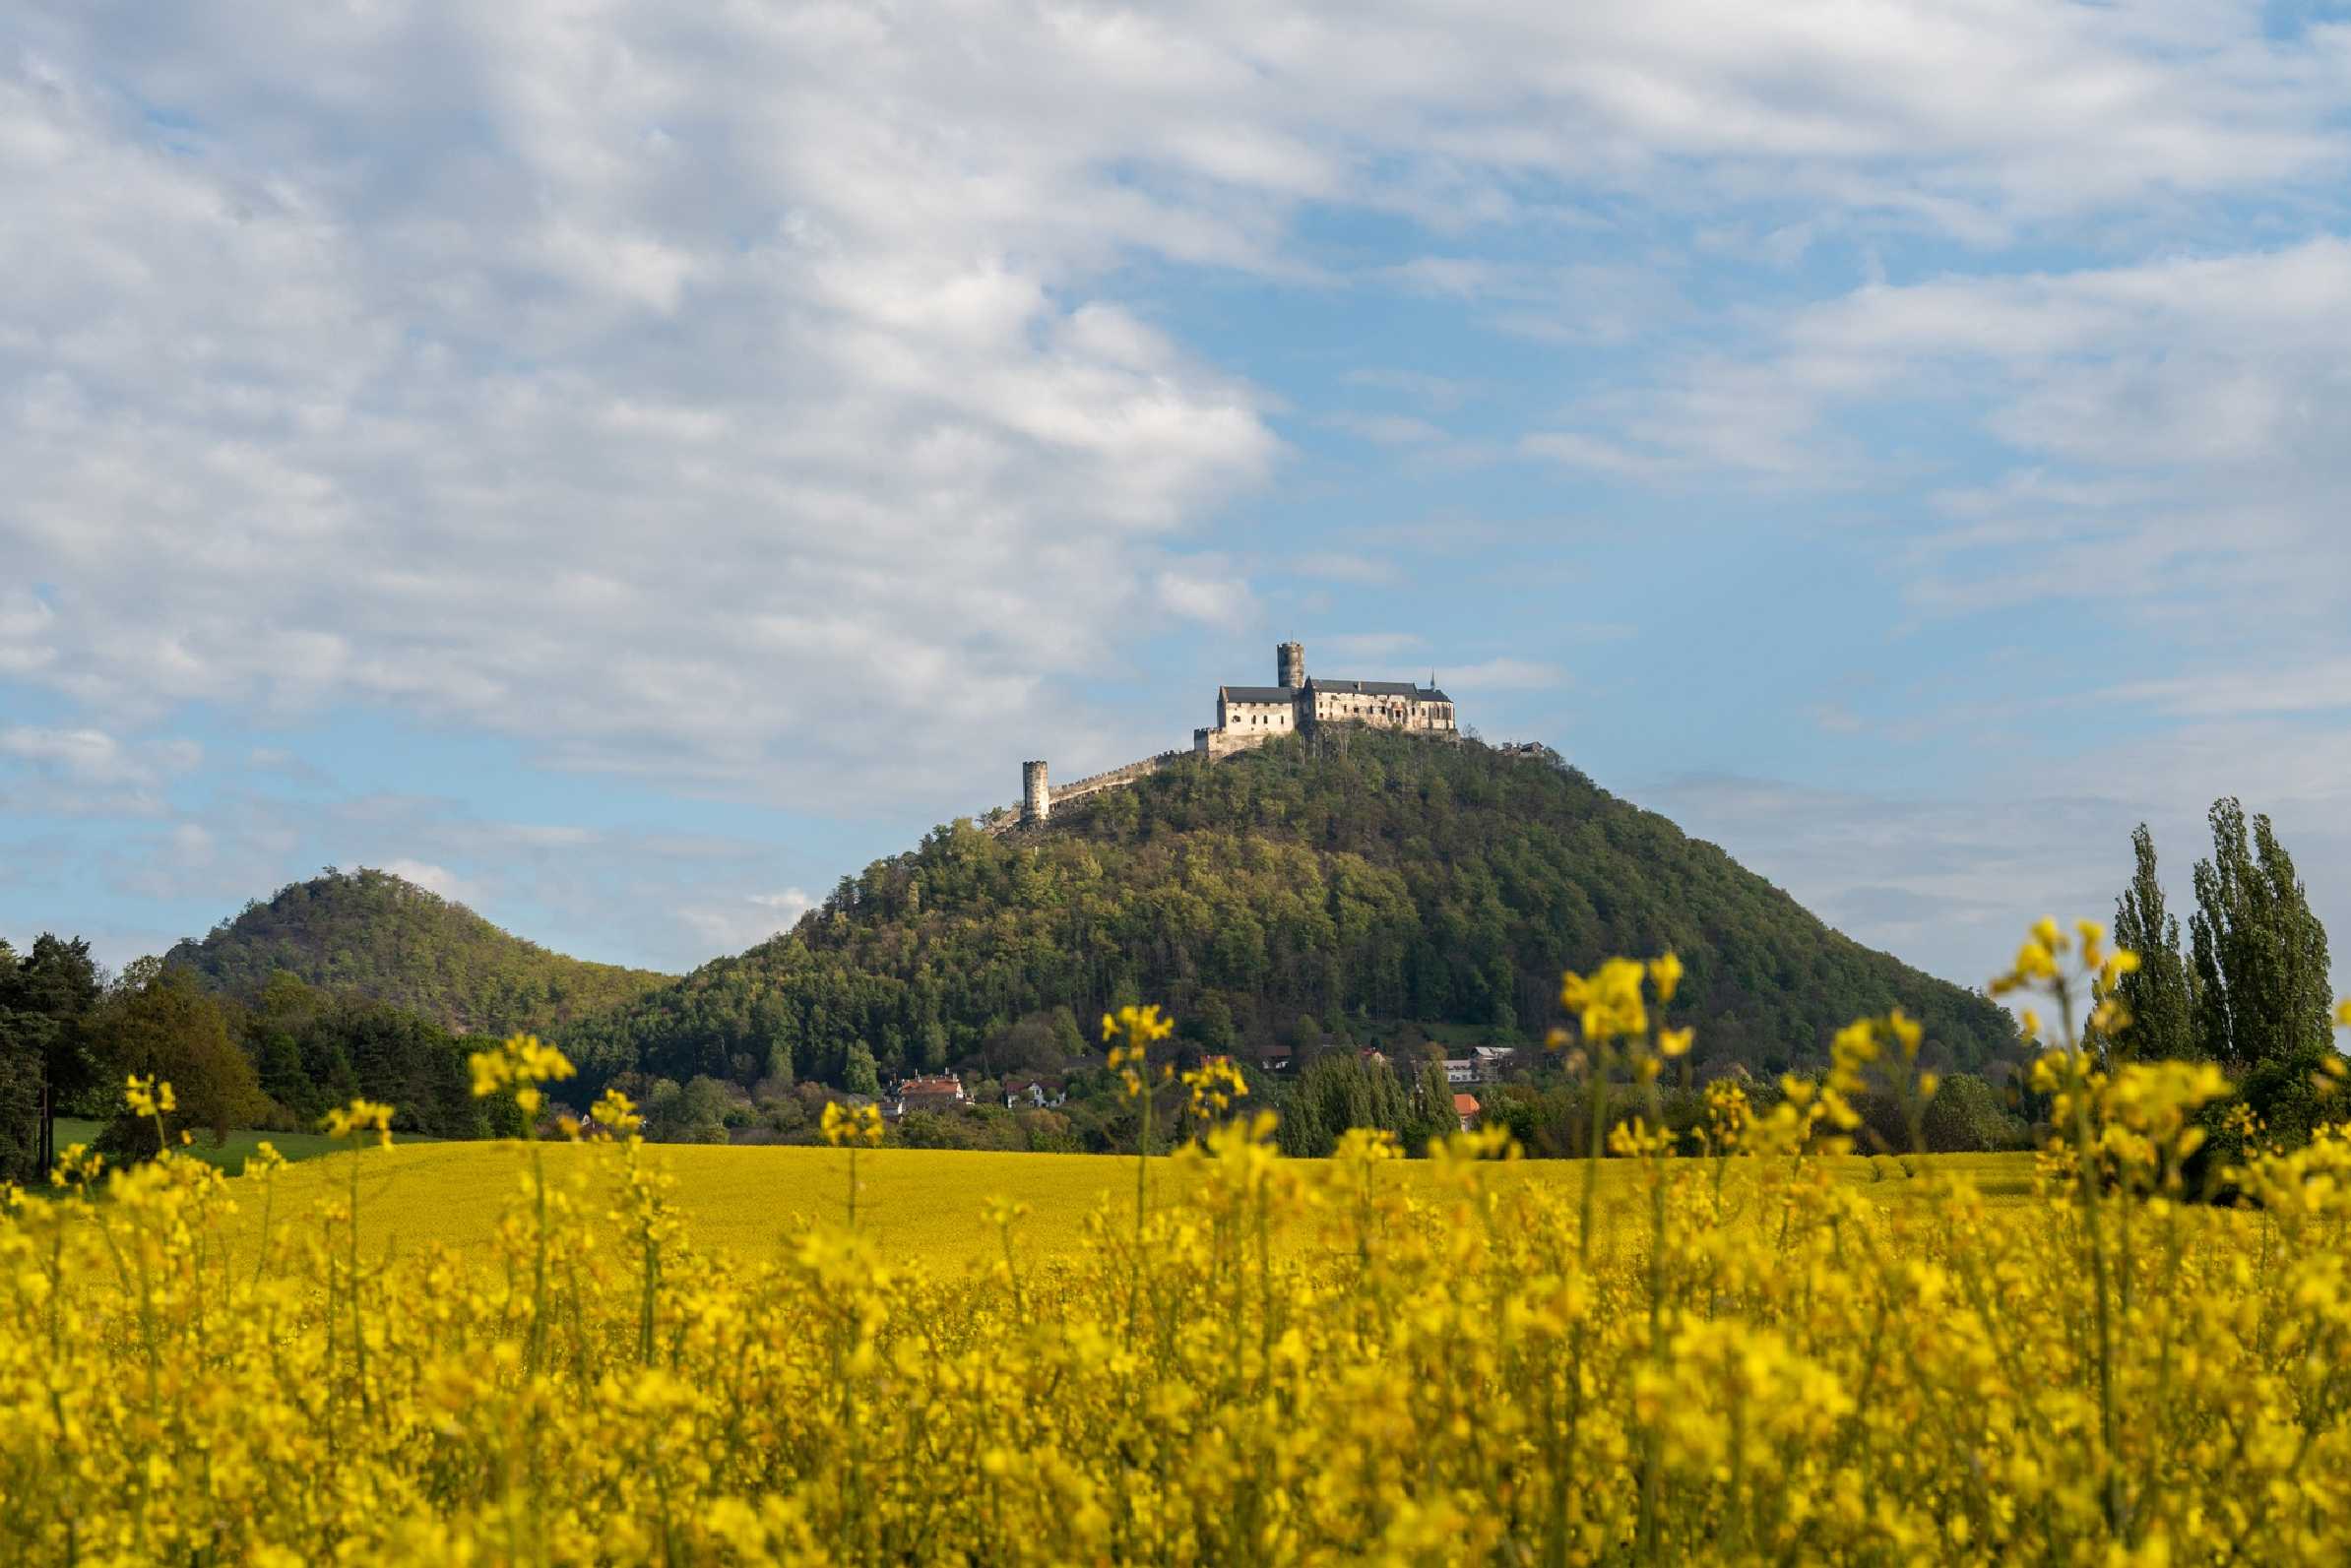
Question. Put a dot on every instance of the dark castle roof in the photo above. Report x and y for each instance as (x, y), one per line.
(1378, 688)
(1342, 688)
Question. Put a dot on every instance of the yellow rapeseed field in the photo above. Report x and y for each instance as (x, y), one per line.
(1738, 1350)
(916, 1205)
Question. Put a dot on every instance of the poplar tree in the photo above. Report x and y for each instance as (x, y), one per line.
(2260, 955)
(2159, 996)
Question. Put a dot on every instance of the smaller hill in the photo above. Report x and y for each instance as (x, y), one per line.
(373, 934)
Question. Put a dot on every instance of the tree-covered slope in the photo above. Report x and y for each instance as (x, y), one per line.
(1388, 878)
(373, 934)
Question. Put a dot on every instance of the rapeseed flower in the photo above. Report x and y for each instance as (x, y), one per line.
(1278, 1361)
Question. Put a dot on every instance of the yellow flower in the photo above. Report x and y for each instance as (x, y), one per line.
(841, 1125)
(1215, 1084)
(360, 1115)
(1607, 1003)
(148, 1098)
(1666, 975)
(1676, 1041)
(520, 1059)
(1906, 1031)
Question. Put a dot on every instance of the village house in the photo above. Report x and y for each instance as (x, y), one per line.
(1492, 1061)
(1461, 1070)
(1466, 1108)
(942, 1093)
(1034, 1094)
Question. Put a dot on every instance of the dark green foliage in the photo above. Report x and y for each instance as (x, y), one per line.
(159, 1022)
(46, 1061)
(695, 1113)
(927, 1129)
(859, 1075)
(2255, 994)
(1429, 1111)
(1397, 879)
(314, 1050)
(2159, 997)
(1968, 1116)
(2261, 987)
(1340, 1091)
(372, 933)
(21, 1036)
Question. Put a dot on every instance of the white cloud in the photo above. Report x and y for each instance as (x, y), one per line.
(1578, 449)
(730, 927)
(1388, 429)
(88, 754)
(2322, 685)
(701, 394)
(84, 770)
(1504, 674)
(555, 446)
(432, 878)
(657, 379)
(1341, 566)
(1382, 646)
(1441, 393)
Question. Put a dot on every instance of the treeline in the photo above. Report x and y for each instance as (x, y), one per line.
(1363, 880)
(375, 934)
(68, 1036)
(2250, 988)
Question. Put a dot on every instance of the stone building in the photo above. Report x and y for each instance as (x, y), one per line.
(1250, 716)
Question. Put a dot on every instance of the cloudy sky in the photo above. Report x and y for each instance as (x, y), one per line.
(626, 464)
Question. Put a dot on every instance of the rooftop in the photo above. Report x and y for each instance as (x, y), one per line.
(1257, 694)
(932, 1085)
(1377, 688)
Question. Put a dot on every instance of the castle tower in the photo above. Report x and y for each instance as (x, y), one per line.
(1290, 665)
(1036, 796)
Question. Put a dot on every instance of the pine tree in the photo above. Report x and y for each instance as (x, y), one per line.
(2159, 996)
(2261, 987)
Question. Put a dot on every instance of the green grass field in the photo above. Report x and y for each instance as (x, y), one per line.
(230, 1156)
(916, 1203)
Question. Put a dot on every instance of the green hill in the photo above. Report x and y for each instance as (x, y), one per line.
(1351, 888)
(371, 934)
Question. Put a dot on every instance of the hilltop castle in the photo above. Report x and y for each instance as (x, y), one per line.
(1250, 716)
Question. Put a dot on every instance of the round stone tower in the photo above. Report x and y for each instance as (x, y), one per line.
(1035, 796)
(1290, 665)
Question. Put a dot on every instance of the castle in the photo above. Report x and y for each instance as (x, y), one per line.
(1250, 716)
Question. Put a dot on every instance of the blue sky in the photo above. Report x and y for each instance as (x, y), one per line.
(627, 466)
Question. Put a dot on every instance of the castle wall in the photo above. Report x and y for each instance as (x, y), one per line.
(1093, 783)
(1225, 742)
(1259, 720)
(1383, 712)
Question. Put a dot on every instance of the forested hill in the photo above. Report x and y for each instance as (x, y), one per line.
(1288, 893)
(376, 935)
